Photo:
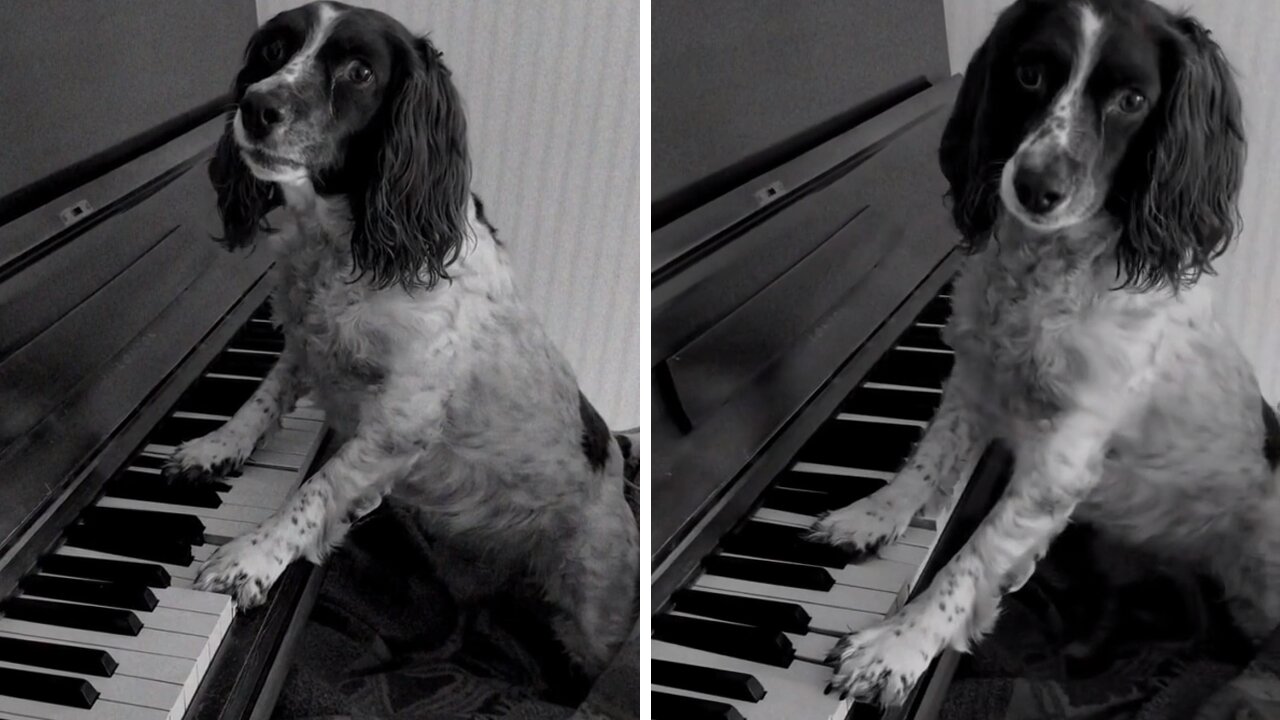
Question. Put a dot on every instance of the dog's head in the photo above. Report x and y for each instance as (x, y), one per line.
(1071, 108)
(347, 99)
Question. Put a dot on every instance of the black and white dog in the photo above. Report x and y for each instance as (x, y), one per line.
(401, 319)
(1094, 157)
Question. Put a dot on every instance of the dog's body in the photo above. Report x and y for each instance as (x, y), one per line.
(1081, 336)
(447, 394)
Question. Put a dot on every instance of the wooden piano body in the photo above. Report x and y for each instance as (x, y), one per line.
(789, 276)
(113, 297)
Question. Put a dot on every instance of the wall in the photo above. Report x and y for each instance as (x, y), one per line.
(552, 95)
(1247, 289)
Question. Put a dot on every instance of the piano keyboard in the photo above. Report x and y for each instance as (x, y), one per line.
(746, 639)
(108, 625)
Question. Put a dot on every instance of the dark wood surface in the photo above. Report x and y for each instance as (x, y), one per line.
(728, 385)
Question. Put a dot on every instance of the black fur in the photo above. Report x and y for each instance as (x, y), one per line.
(1178, 187)
(411, 217)
(595, 434)
(1271, 438)
(484, 220)
(1175, 189)
(243, 200)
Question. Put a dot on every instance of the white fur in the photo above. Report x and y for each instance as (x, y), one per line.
(453, 399)
(1132, 410)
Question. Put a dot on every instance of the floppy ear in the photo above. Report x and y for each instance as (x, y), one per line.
(243, 200)
(967, 152)
(410, 221)
(1183, 213)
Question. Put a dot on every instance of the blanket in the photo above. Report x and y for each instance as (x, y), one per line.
(387, 640)
(1103, 632)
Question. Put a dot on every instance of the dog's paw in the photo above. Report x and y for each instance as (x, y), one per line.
(208, 458)
(882, 662)
(863, 527)
(244, 568)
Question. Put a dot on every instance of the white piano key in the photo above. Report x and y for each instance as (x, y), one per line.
(844, 596)
(289, 440)
(225, 511)
(305, 424)
(902, 388)
(123, 687)
(175, 571)
(918, 537)
(168, 619)
(158, 642)
(261, 487)
(102, 710)
(822, 469)
(790, 692)
(782, 517)
(873, 574)
(909, 554)
(881, 420)
(829, 620)
(273, 459)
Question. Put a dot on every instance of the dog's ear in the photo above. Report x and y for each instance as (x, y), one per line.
(1182, 213)
(243, 200)
(410, 221)
(966, 152)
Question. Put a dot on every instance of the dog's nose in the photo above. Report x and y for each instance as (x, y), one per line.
(260, 113)
(1040, 190)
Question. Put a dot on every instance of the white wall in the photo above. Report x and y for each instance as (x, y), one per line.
(1247, 289)
(552, 94)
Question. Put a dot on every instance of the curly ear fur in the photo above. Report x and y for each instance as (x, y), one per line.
(967, 153)
(409, 223)
(243, 200)
(1184, 181)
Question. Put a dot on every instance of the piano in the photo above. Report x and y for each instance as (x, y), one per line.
(124, 330)
(799, 286)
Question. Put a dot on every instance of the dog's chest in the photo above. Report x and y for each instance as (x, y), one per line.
(336, 326)
(1024, 330)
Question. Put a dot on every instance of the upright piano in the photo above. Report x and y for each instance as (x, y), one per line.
(124, 330)
(802, 254)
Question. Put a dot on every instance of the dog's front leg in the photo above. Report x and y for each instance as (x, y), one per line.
(951, 440)
(1054, 470)
(224, 450)
(312, 521)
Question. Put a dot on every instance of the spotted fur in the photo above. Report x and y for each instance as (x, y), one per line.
(440, 384)
(1077, 343)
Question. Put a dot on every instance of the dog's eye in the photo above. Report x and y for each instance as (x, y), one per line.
(1131, 101)
(273, 51)
(359, 73)
(1030, 77)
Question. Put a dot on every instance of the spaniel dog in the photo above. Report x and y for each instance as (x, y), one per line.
(1094, 157)
(402, 321)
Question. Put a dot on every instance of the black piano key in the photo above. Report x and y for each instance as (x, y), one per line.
(99, 619)
(67, 658)
(217, 396)
(128, 596)
(757, 612)
(665, 706)
(937, 312)
(767, 647)
(259, 336)
(708, 681)
(139, 546)
(54, 689)
(805, 577)
(923, 337)
(177, 430)
(842, 487)
(903, 404)
(173, 526)
(263, 312)
(918, 369)
(247, 364)
(781, 542)
(863, 445)
(121, 571)
(135, 485)
(801, 502)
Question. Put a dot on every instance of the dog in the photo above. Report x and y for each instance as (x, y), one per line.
(402, 321)
(1094, 157)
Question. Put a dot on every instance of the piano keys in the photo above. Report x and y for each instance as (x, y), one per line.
(808, 594)
(108, 624)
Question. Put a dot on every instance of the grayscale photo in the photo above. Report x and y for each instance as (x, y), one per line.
(318, 359)
(964, 361)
